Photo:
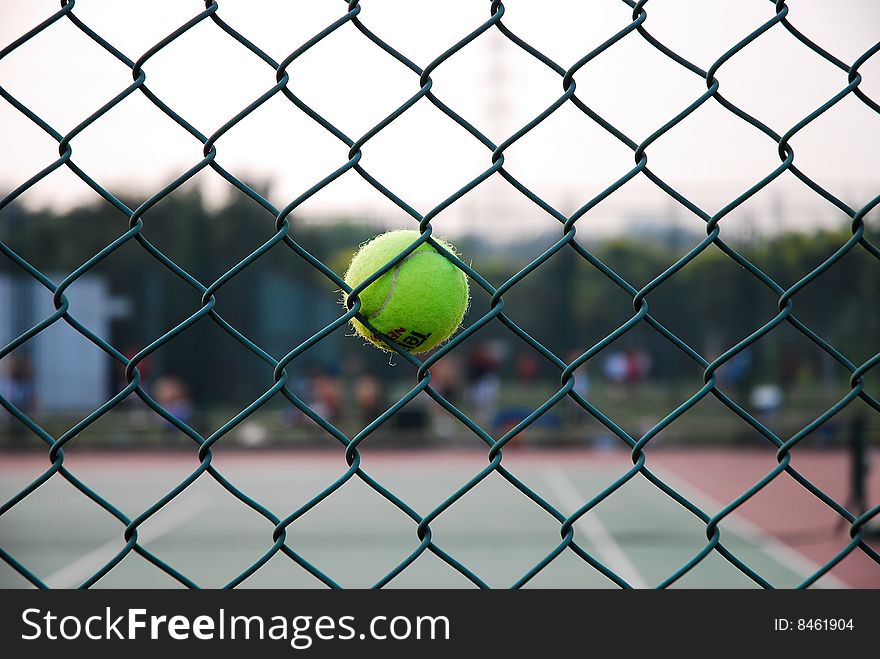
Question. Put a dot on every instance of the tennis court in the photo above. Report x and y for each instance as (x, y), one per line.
(356, 537)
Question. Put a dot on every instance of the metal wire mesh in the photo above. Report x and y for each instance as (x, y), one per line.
(641, 316)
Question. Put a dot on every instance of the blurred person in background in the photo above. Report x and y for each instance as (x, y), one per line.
(300, 384)
(638, 366)
(766, 401)
(326, 395)
(144, 367)
(625, 368)
(860, 468)
(17, 387)
(573, 412)
(614, 368)
(527, 367)
(734, 373)
(483, 382)
(412, 421)
(447, 379)
(172, 393)
(369, 399)
(138, 413)
(789, 367)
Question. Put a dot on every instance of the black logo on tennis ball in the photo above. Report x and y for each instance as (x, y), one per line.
(409, 341)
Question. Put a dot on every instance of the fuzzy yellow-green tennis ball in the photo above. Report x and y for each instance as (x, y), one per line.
(419, 303)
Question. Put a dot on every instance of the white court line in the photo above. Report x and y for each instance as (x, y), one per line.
(609, 552)
(75, 573)
(739, 525)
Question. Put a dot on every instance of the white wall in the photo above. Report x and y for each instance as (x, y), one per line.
(70, 372)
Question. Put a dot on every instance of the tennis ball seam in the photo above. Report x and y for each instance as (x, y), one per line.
(394, 275)
(415, 307)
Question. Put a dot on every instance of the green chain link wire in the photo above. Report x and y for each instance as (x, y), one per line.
(283, 234)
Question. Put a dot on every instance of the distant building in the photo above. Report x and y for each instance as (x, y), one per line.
(69, 372)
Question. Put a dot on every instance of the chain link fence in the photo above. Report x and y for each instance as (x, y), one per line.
(350, 17)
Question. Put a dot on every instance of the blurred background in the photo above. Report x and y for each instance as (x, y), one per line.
(206, 226)
(280, 301)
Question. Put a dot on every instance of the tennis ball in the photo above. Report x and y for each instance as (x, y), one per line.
(419, 303)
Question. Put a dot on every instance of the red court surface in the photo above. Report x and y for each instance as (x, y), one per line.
(784, 509)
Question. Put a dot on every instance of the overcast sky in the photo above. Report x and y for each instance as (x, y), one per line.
(207, 77)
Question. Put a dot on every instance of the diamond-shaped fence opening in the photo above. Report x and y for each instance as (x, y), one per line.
(278, 263)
